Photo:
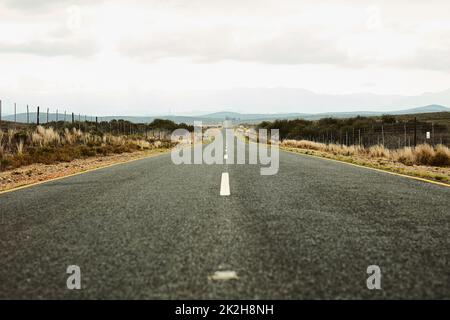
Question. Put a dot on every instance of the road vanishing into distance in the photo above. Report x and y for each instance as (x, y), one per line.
(151, 229)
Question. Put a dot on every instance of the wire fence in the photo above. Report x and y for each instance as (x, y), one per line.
(60, 119)
(395, 135)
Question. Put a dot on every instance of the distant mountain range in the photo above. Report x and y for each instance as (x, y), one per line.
(217, 117)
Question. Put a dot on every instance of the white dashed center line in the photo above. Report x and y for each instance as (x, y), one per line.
(224, 276)
(225, 184)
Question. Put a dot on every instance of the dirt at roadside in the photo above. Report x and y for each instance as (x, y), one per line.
(38, 172)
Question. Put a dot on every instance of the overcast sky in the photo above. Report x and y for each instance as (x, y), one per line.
(154, 57)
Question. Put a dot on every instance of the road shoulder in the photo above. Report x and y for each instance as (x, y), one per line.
(37, 173)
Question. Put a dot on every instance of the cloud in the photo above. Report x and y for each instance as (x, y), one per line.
(351, 34)
(45, 5)
(293, 34)
(221, 43)
(52, 48)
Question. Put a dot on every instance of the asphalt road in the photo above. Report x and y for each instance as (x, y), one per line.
(154, 230)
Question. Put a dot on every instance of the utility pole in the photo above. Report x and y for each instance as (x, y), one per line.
(73, 118)
(37, 116)
(47, 114)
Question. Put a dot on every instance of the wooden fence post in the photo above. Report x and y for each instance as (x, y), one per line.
(415, 132)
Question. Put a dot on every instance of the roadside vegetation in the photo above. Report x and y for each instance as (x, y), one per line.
(22, 145)
(390, 131)
(424, 161)
(423, 154)
(416, 145)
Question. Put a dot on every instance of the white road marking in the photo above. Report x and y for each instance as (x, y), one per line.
(225, 184)
(224, 276)
(225, 156)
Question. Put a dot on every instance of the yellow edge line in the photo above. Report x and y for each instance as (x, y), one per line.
(81, 172)
(370, 168)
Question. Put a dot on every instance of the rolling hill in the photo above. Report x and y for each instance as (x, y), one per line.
(217, 117)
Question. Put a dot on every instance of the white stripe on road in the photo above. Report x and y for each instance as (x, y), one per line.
(225, 157)
(225, 184)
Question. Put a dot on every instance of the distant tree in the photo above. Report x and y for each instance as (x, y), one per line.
(168, 125)
(386, 118)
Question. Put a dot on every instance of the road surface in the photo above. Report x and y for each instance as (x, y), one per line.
(154, 230)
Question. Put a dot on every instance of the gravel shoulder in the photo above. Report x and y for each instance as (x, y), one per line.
(38, 172)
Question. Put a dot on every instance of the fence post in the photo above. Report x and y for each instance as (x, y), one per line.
(415, 132)
(404, 125)
(47, 115)
(28, 115)
(37, 116)
(73, 118)
(432, 133)
(382, 133)
(56, 115)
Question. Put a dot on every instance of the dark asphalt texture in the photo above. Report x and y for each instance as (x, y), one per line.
(153, 230)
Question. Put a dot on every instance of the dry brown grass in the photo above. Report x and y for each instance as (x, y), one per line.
(405, 156)
(20, 146)
(47, 145)
(423, 154)
(45, 137)
(379, 151)
(142, 144)
(442, 156)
